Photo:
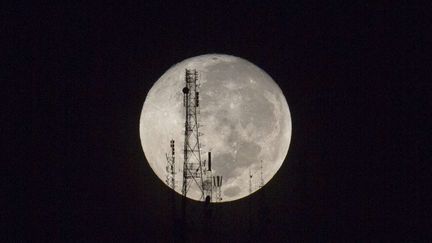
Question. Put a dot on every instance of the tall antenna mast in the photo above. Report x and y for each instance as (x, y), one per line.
(194, 169)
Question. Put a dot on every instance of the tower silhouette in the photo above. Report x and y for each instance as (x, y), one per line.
(195, 170)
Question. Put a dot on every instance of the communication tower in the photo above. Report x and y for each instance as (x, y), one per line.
(195, 171)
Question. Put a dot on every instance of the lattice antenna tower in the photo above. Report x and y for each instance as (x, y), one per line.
(170, 167)
(195, 171)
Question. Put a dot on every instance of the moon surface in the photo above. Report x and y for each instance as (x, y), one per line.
(245, 119)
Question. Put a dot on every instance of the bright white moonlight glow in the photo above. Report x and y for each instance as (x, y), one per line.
(245, 116)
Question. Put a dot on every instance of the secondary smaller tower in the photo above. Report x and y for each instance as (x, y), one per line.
(170, 167)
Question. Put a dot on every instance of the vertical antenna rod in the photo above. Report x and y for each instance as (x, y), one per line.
(261, 176)
(250, 181)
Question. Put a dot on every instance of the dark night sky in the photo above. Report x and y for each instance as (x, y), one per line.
(356, 167)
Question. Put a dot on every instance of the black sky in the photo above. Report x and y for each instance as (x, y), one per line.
(356, 166)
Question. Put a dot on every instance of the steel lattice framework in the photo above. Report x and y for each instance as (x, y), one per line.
(195, 170)
(170, 167)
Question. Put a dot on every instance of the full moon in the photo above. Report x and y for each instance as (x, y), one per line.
(246, 123)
